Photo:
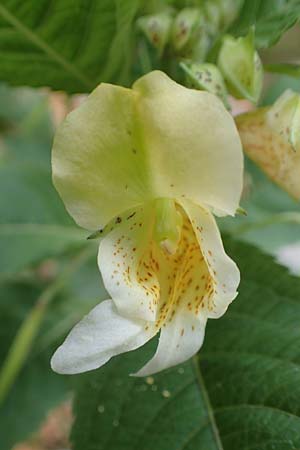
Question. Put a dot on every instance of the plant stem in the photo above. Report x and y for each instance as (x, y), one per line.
(145, 60)
(22, 343)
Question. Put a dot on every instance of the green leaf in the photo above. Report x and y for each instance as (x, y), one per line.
(36, 227)
(69, 296)
(70, 45)
(33, 222)
(272, 18)
(242, 392)
(24, 244)
(29, 401)
(115, 411)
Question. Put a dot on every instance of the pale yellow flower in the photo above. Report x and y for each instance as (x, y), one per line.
(147, 166)
(271, 138)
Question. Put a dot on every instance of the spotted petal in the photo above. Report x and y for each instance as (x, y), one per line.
(154, 291)
(126, 263)
(178, 342)
(224, 272)
(270, 137)
(204, 282)
(123, 147)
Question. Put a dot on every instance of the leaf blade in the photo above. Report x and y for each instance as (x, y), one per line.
(67, 45)
(250, 365)
(272, 18)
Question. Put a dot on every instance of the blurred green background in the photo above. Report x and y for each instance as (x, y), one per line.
(48, 269)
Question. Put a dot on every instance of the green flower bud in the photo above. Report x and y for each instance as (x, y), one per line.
(284, 118)
(206, 77)
(200, 48)
(229, 12)
(187, 25)
(212, 14)
(157, 28)
(241, 67)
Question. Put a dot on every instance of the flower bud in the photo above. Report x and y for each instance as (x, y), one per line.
(271, 138)
(200, 48)
(229, 12)
(157, 28)
(284, 118)
(212, 13)
(241, 67)
(186, 26)
(206, 77)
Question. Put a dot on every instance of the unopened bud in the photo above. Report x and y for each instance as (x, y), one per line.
(200, 48)
(271, 138)
(157, 28)
(241, 67)
(186, 26)
(284, 118)
(212, 14)
(229, 12)
(206, 77)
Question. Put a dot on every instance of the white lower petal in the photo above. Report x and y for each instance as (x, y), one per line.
(99, 336)
(179, 340)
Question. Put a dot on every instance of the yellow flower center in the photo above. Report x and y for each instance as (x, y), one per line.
(176, 279)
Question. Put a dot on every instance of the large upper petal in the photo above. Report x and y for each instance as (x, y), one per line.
(123, 147)
(96, 166)
(192, 143)
(101, 334)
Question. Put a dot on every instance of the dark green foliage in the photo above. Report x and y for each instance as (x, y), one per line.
(271, 18)
(242, 392)
(66, 44)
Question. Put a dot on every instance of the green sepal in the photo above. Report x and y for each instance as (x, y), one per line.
(102, 232)
(241, 67)
(206, 77)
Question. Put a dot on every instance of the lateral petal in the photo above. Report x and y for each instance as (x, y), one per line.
(224, 272)
(127, 265)
(99, 336)
(270, 137)
(179, 340)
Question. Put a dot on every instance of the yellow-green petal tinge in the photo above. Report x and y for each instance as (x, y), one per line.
(148, 167)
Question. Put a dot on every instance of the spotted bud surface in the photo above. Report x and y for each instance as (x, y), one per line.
(284, 118)
(206, 77)
(157, 28)
(188, 24)
(241, 67)
(271, 138)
